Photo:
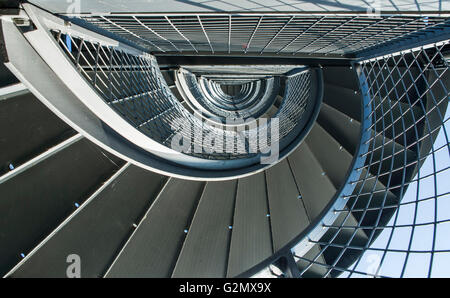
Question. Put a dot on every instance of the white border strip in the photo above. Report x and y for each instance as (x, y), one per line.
(13, 90)
(41, 157)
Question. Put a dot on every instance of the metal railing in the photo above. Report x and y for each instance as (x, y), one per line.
(401, 197)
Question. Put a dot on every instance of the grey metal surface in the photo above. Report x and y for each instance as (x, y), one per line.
(206, 248)
(6, 77)
(37, 200)
(40, 130)
(97, 232)
(251, 239)
(153, 248)
(339, 76)
(341, 127)
(315, 187)
(332, 157)
(344, 99)
(15, 171)
(287, 213)
(321, 225)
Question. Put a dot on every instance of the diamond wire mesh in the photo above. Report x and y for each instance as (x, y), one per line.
(397, 221)
(264, 33)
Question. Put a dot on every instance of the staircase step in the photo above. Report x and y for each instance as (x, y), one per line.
(251, 239)
(287, 214)
(37, 200)
(392, 83)
(27, 129)
(344, 100)
(97, 229)
(153, 248)
(315, 187)
(345, 130)
(333, 158)
(206, 248)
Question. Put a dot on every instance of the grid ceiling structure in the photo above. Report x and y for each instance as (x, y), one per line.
(288, 34)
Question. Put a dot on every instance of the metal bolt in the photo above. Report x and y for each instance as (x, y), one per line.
(77, 205)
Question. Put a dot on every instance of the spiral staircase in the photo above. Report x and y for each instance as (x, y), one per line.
(89, 106)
